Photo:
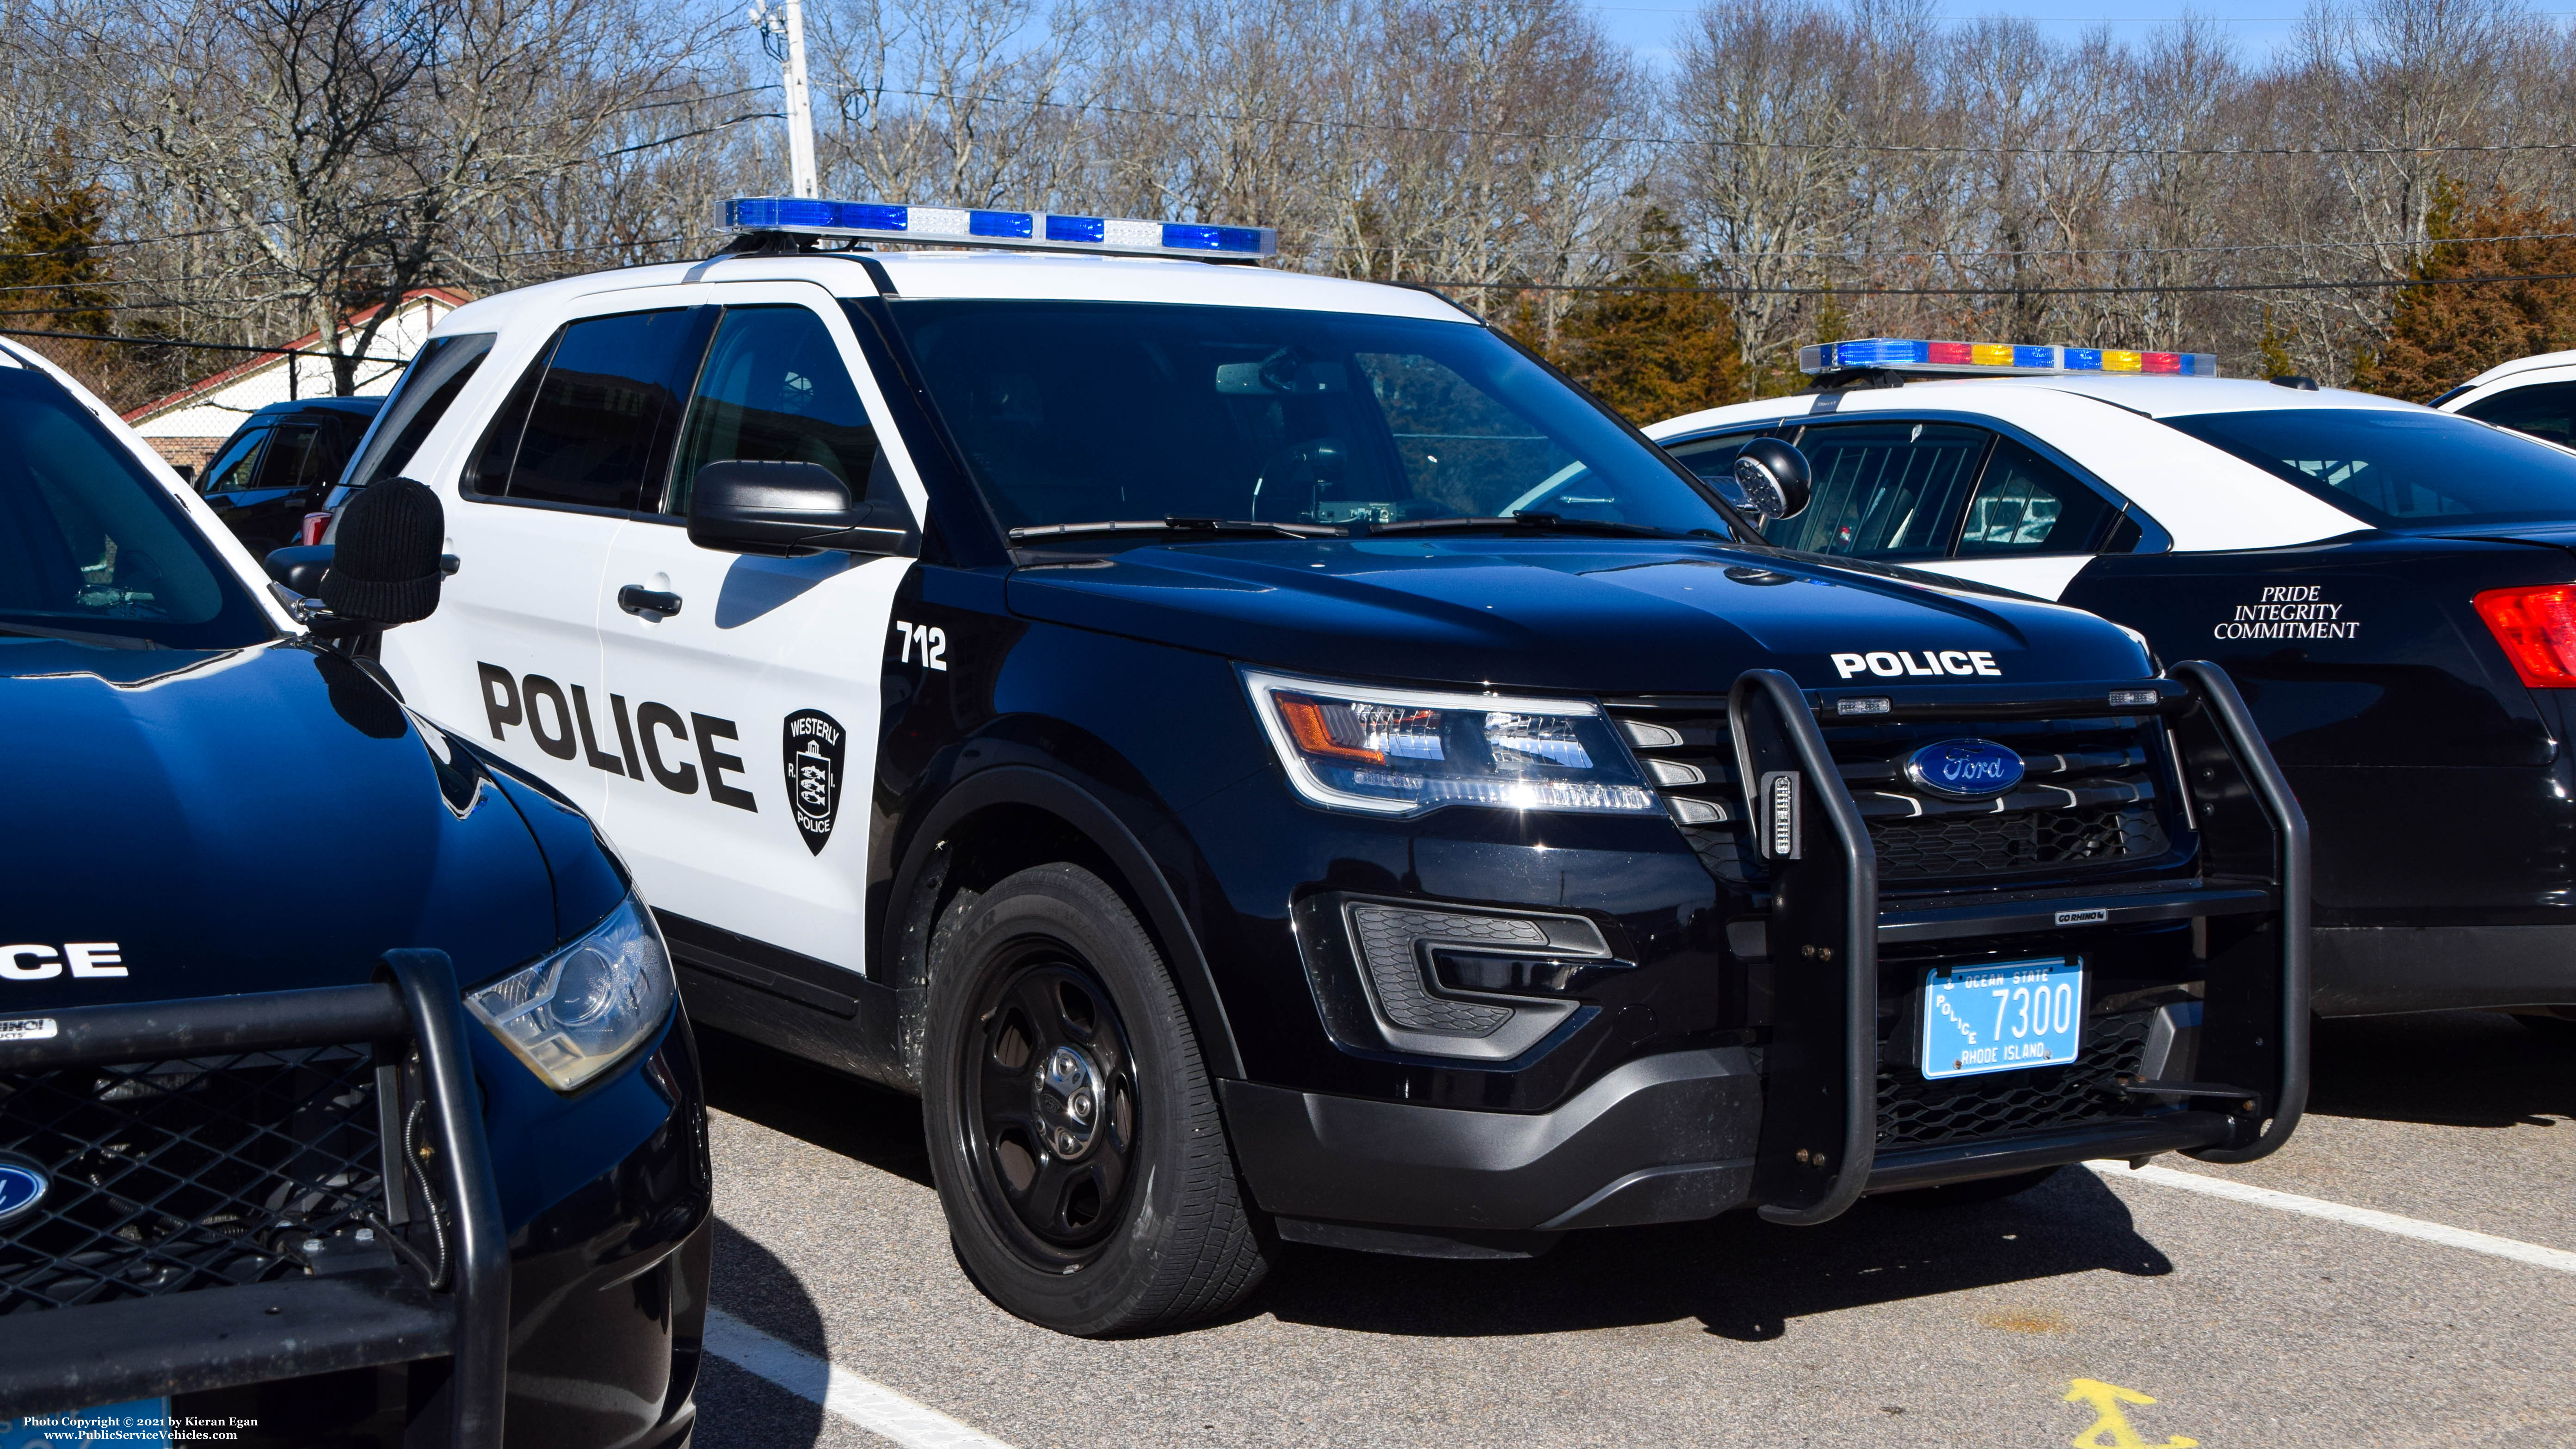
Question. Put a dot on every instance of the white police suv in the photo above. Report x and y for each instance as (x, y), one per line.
(1266, 758)
(2389, 586)
(2535, 395)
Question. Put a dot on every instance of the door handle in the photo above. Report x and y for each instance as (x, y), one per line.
(647, 603)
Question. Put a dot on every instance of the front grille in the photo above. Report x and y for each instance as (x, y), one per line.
(176, 1175)
(1913, 1112)
(2089, 799)
(1916, 849)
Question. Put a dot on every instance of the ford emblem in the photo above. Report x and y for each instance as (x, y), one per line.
(22, 1186)
(1964, 769)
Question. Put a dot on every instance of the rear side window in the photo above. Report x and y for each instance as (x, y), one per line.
(423, 396)
(2544, 410)
(2026, 504)
(291, 456)
(2399, 467)
(1883, 490)
(601, 412)
(774, 391)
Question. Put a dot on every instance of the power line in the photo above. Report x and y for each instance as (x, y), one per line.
(1731, 144)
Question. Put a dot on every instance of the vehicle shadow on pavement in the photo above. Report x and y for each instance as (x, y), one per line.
(2449, 1069)
(736, 1408)
(1744, 1278)
(815, 1104)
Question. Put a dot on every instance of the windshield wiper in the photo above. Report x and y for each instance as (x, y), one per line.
(1527, 521)
(1177, 523)
(79, 636)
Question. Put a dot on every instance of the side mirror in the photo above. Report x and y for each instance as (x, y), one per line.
(187, 471)
(384, 566)
(300, 567)
(785, 510)
(1775, 478)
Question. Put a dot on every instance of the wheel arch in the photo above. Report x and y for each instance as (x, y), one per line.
(1008, 817)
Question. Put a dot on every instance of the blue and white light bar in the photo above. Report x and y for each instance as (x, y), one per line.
(953, 226)
(1970, 359)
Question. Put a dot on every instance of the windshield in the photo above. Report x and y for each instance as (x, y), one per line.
(2393, 469)
(1075, 412)
(92, 545)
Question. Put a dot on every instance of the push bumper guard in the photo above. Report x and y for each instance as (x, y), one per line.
(59, 1359)
(1817, 1152)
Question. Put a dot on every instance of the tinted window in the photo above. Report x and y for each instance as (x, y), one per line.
(1713, 459)
(1883, 490)
(2027, 504)
(1072, 411)
(231, 470)
(774, 391)
(89, 541)
(291, 456)
(601, 418)
(2399, 469)
(428, 387)
(2544, 410)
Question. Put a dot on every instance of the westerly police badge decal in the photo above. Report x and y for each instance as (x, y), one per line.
(813, 749)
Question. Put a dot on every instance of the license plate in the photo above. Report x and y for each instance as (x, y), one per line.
(141, 1424)
(2008, 1016)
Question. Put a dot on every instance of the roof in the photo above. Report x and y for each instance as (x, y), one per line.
(199, 389)
(991, 274)
(364, 406)
(2538, 361)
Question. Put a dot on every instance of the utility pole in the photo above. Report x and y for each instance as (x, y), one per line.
(782, 35)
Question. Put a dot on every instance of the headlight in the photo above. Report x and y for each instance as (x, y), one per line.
(572, 1015)
(1405, 751)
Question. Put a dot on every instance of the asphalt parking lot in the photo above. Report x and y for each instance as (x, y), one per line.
(2046, 1319)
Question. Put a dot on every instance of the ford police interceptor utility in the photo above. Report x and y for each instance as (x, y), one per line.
(343, 1095)
(2389, 586)
(1265, 758)
(2535, 395)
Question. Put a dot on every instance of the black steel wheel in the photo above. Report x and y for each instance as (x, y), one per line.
(1074, 1132)
(1049, 1104)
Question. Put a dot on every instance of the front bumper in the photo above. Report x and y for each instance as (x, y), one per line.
(1817, 1107)
(608, 1283)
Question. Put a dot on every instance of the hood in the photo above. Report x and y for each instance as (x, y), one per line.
(250, 820)
(1597, 616)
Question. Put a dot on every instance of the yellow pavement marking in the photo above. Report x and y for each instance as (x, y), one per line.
(2111, 1430)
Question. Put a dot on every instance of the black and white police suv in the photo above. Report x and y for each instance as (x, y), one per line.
(1264, 757)
(344, 1098)
(2389, 586)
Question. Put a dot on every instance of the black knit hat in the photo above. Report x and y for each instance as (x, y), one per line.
(384, 556)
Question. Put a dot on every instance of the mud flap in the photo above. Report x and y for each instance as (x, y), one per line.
(1820, 1096)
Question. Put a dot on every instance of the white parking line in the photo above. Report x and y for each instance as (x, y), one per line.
(2290, 1202)
(870, 1405)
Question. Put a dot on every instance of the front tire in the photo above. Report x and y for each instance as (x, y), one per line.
(1073, 1129)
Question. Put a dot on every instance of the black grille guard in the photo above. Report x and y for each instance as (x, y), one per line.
(70, 1358)
(1818, 1145)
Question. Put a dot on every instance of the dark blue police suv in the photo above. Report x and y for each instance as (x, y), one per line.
(343, 1092)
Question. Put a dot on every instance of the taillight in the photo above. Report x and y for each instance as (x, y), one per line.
(2537, 627)
(311, 533)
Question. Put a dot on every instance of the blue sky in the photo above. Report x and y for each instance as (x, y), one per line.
(1647, 26)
